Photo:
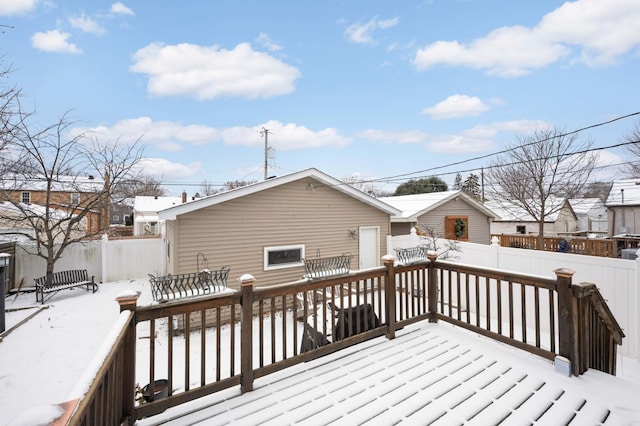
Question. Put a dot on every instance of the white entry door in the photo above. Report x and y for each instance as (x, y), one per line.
(369, 251)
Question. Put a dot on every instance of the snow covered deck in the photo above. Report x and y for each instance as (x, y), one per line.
(430, 373)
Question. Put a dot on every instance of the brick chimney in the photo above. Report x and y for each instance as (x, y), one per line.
(184, 196)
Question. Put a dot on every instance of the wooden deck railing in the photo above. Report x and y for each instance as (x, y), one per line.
(266, 327)
(577, 245)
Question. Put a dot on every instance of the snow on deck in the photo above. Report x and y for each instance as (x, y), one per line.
(429, 374)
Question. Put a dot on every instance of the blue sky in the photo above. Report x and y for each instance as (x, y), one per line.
(370, 89)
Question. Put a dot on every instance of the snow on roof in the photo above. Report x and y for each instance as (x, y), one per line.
(510, 212)
(154, 204)
(414, 205)
(624, 192)
(584, 205)
(323, 179)
(61, 184)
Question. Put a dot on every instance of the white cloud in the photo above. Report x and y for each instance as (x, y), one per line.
(16, 7)
(86, 24)
(165, 135)
(456, 106)
(119, 8)
(164, 169)
(401, 137)
(54, 41)
(363, 33)
(265, 41)
(286, 137)
(172, 136)
(601, 31)
(474, 140)
(207, 72)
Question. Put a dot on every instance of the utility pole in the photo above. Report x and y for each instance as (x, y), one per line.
(265, 132)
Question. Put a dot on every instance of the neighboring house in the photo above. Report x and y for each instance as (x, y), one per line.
(68, 193)
(122, 212)
(145, 213)
(623, 207)
(15, 227)
(591, 213)
(268, 228)
(512, 219)
(451, 214)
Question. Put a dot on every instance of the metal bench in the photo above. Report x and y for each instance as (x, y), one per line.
(325, 267)
(171, 287)
(407, 256)
(54, 282)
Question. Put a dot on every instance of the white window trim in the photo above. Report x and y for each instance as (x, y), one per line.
(28, 194)
(267, 250)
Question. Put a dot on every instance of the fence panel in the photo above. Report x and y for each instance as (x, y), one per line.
(122, 260)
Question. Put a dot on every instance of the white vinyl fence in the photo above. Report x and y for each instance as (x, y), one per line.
(107, 260)
(617, 279)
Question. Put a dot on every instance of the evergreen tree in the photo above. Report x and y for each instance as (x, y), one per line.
(421, 186)
(471, 186)
(457, 183)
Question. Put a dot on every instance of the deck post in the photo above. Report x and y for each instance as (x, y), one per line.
(432, 286)
(567, 321)
(246, 334)
(390, 296)
(128, 302)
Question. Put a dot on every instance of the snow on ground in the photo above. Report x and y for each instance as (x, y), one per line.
(43, 360)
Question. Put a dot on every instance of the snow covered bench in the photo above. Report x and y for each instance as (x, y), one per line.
(53, 283)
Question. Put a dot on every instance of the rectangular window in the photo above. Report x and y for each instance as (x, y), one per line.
(75, 199)
(115, 218)
(521, 229)
(279, 257)
(26, 197)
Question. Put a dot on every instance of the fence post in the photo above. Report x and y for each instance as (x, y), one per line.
(104, 248)
(246, 333)
(390, 296)
(494, 250)
(128, 302)
(432, 285)
(567, 321)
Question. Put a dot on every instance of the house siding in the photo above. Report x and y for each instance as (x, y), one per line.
(624, 216)
(478, 224)
(236, 232)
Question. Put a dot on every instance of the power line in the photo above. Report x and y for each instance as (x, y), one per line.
(516, 147)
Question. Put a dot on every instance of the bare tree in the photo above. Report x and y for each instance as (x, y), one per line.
(432, 240)
(632, 168)
(366, 186)
(207, 188)
(142, 184)
(61, 163)
(539, 169)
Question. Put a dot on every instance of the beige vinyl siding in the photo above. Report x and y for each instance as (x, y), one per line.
(478, 224)
(401, 228)
(236, 232)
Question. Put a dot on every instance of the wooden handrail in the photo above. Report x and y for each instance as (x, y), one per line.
(529, 312)
(577, 245)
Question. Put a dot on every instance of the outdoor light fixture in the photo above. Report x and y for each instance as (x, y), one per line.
(353, 233)
(4, 262)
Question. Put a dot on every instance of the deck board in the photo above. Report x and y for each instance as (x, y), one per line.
(429, 374)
